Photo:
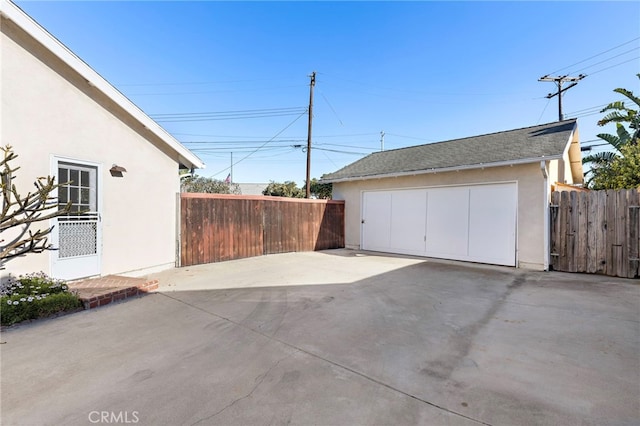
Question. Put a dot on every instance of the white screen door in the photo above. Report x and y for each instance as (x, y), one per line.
(76, 235)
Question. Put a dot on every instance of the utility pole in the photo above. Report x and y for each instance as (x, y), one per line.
(308, 185)
(382, 140)
(559, 80)
(231, 174)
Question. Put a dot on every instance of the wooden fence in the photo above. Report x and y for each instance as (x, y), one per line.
(215, 227)
(596, 232)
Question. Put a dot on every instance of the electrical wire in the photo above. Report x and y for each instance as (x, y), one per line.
(543, 110)
(257, 157)
(606, 60)
(409, 137)
(242, 111)
(205, 92)
(227, 115)
(329, 158)
(596, 55)
(331, 107)
(264, 137)
(613, 66)
(261, 146)
(409, 91)
(199, 83)
(586, 112)
(287, 141)
(589, 109)
(341, 145)
(239, 148)
(341, 152)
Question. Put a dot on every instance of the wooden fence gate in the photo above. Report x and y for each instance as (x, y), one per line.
(216, 227)
(596, 232)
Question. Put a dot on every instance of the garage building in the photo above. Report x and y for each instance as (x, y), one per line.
(479, 199)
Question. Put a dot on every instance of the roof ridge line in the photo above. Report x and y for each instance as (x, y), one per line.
(473, 137)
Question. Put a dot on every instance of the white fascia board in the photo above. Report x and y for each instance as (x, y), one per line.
(572, 161)
(569, 141)
(444, 169)
(42, 36)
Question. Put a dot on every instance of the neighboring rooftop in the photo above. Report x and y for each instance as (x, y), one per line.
(526, 145)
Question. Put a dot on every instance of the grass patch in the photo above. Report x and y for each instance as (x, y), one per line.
(34, 296)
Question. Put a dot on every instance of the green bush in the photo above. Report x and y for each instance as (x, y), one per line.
(34, 296)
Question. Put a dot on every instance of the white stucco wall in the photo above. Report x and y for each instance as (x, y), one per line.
(531, 203)
(47, 110)
(568, 177)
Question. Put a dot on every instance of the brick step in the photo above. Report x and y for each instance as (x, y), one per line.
(94, 292)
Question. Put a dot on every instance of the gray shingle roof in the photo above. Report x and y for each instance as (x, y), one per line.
(512, 146)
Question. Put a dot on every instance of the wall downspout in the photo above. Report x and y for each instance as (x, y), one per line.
(545, 206)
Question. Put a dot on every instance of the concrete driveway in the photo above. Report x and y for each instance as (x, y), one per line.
(337, 338)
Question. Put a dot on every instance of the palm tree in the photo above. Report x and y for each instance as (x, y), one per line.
(619, 114)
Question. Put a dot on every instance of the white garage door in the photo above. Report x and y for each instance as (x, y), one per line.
(473, 223)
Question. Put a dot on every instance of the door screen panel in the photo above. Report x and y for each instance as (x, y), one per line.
(78, 229)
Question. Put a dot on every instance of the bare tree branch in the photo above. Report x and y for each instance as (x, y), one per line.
(23, 211)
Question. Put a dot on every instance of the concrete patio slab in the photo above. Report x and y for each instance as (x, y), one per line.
(397, 340)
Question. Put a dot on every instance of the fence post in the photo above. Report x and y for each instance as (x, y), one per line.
(554, 231)
(633, 234)
(582, 232)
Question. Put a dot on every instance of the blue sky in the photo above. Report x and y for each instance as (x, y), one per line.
(419, 71)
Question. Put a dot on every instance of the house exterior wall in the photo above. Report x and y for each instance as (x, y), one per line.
(531, 202)
(554, 171)
(47, 110)
(568, 177)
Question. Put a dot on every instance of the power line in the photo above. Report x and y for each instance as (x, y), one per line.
(328, 158)
(231, 115)
(342, 146)
(588, 109)
(607, 60)
(261, 146)
(341, 152)
(297, 143)
(286, 141)
(409, 137)
(596, 55)
(242, 111)
(227, 116)
(331, 107)
(184, 120)
(613, 66)
(199, 83)
(584, 114)
(238, 148)
(205, 92)
(264, 137)
(587, 112)
(543, 110)
(225, 155)
(407, 91)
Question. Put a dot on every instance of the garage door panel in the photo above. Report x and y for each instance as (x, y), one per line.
(376, 230)
(492, 224)
(474, 223)
(447, 222)
(408, 221)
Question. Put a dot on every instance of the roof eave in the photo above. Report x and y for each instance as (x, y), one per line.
(42, 36)
(444, 169)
